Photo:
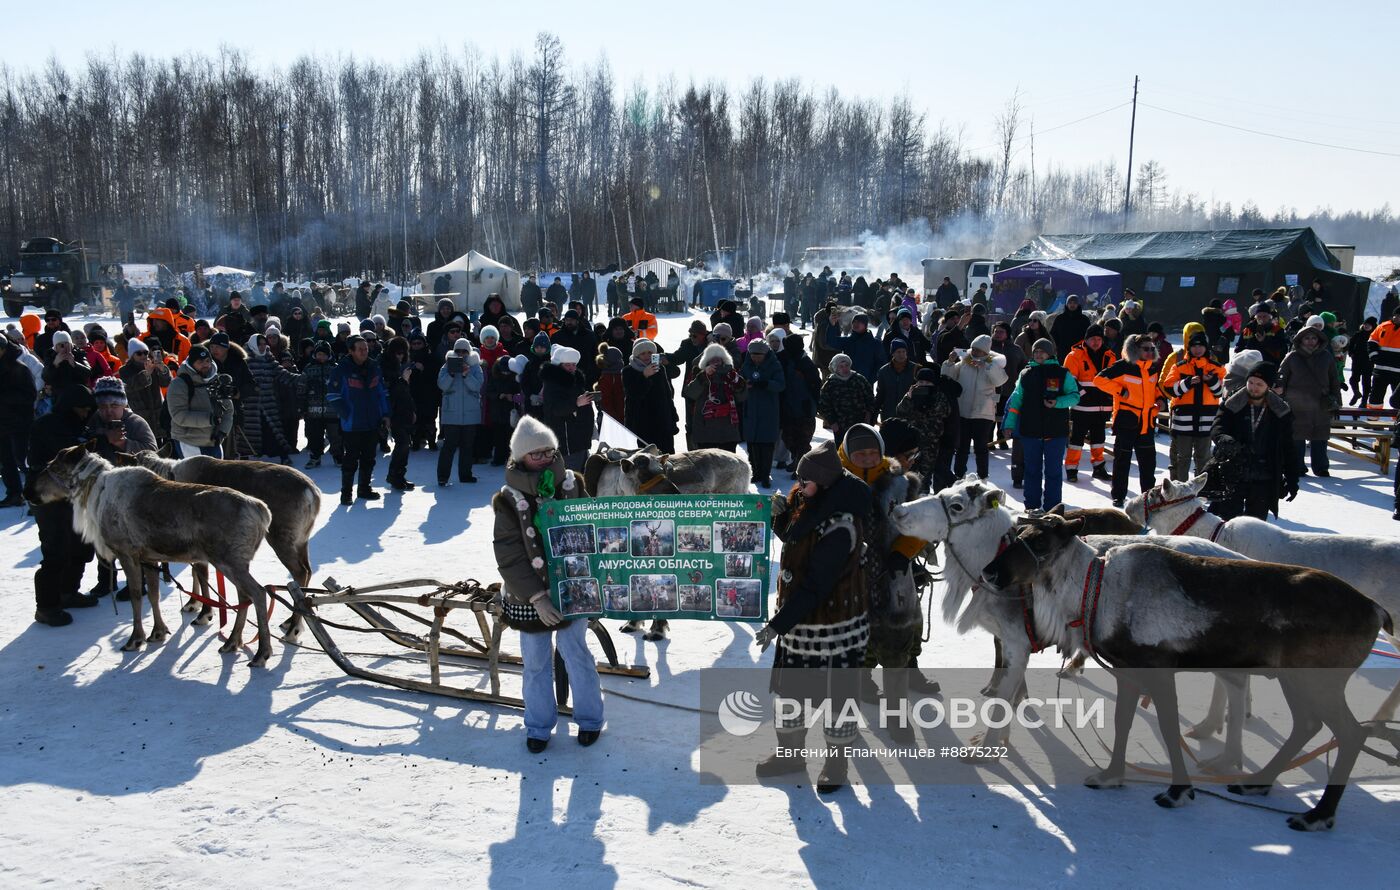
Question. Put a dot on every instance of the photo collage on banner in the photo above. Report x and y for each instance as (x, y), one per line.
(683, 556)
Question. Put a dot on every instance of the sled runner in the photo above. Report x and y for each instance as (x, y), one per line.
(376, 603)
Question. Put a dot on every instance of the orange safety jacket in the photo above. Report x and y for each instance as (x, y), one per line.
(643, 323)
(1080, 362)
(1384, 347)
(1134, 390)
(1194, 406)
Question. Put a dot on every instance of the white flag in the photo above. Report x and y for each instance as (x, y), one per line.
(617, 435)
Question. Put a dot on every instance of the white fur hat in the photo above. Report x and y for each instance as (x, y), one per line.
(715, 351)
(564, 355)
(462, 344)
(1316, 322)
(489, 331)
(517, 364)
(531, 435)
(61, 337)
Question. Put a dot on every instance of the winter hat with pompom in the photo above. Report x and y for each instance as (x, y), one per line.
(109, 391)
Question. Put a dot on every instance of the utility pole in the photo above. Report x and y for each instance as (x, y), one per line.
(1132, 130)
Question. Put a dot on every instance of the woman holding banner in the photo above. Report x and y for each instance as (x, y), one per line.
(821, 624)
(536, 474)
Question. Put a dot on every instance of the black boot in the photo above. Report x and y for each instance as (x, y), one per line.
(53, 617)
(12, 500)
(1101, 473)
(832, 778)
(368, 494)
(1071, 474)
(347, 497)
(535, 746)
(77, 600)
(922, 684)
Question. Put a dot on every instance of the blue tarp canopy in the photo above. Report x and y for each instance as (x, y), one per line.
(1048, 282)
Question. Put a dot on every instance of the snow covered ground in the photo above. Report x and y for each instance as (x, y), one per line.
(179, 766)
(1377, 268)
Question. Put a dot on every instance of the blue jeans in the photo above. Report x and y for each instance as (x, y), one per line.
(1045, 461)
(537, 663)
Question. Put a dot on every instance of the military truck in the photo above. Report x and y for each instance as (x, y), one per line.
(51, 273)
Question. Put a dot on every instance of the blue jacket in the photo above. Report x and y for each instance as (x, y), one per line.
(761, 409)
(867, 353)
(461, 395)
(359, 395)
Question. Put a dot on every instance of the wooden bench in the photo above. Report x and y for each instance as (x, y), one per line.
(1364, 433)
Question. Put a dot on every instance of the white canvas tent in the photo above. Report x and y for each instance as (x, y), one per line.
(659, 266)
(475, 276)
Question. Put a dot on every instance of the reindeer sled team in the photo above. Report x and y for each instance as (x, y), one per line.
(853, 529)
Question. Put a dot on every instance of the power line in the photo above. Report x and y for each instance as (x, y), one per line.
(1370, 123)
(1079, 120)
(1369, 151)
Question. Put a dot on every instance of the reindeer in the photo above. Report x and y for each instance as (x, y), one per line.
(1367, 563)
(137, 518)
(1154, 612)
(289, 494)
(613, 472)
(974, 527)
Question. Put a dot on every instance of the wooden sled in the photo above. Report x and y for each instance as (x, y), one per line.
(374, 604)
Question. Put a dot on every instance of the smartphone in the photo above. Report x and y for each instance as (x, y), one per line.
(656, 358)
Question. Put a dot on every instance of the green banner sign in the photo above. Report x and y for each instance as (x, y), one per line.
(672, 556)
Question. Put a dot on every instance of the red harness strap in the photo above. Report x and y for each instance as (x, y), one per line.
(1218, 529)
(1028, 615)
(1092, 578)
(1189, 521)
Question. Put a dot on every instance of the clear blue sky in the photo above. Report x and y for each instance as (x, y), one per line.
(1325, 72)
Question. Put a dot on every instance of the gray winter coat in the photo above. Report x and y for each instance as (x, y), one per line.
(765, 383)
(1312, 386)
(191, 413)
(139, 436)
(461, 395)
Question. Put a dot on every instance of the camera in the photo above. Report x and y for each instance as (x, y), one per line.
(222, 387)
